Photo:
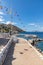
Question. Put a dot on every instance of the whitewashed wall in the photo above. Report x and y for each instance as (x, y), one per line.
(4, 51)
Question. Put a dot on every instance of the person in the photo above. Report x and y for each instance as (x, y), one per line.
(33, 43)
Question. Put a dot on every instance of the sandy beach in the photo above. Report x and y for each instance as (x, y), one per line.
(21, 54)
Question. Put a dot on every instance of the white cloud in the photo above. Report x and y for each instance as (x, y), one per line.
(1, 13)
(9, 22)
(33, 24)
(1, 16)
(41, 28)
(1, 19)
(3, 22)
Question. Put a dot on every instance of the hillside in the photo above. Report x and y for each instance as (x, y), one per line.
(9, 27)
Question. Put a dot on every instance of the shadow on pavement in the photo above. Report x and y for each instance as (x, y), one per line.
(9, 57)
(3, 41)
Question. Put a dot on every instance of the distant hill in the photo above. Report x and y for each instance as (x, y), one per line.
(9, 27)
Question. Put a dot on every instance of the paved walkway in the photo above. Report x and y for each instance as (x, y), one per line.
(22, 54)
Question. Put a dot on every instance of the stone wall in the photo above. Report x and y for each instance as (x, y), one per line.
(4, 51)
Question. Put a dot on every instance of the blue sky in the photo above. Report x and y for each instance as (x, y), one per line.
(26, 14)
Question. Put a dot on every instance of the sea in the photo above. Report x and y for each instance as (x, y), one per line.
(39, 34)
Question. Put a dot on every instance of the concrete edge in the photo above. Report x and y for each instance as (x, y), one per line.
(38, 53)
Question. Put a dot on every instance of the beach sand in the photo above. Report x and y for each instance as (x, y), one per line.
(22, 54)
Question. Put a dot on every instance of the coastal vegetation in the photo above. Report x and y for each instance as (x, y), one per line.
(7, 28)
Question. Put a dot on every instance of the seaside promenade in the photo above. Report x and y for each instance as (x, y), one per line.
(22, 54)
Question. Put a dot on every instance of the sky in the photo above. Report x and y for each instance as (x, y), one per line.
(26, 14)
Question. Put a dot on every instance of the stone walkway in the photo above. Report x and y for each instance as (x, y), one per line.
(22, 54)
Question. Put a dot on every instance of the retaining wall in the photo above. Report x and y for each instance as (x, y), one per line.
(4, 51)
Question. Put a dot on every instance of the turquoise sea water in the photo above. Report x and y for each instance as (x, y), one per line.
(39, 34)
